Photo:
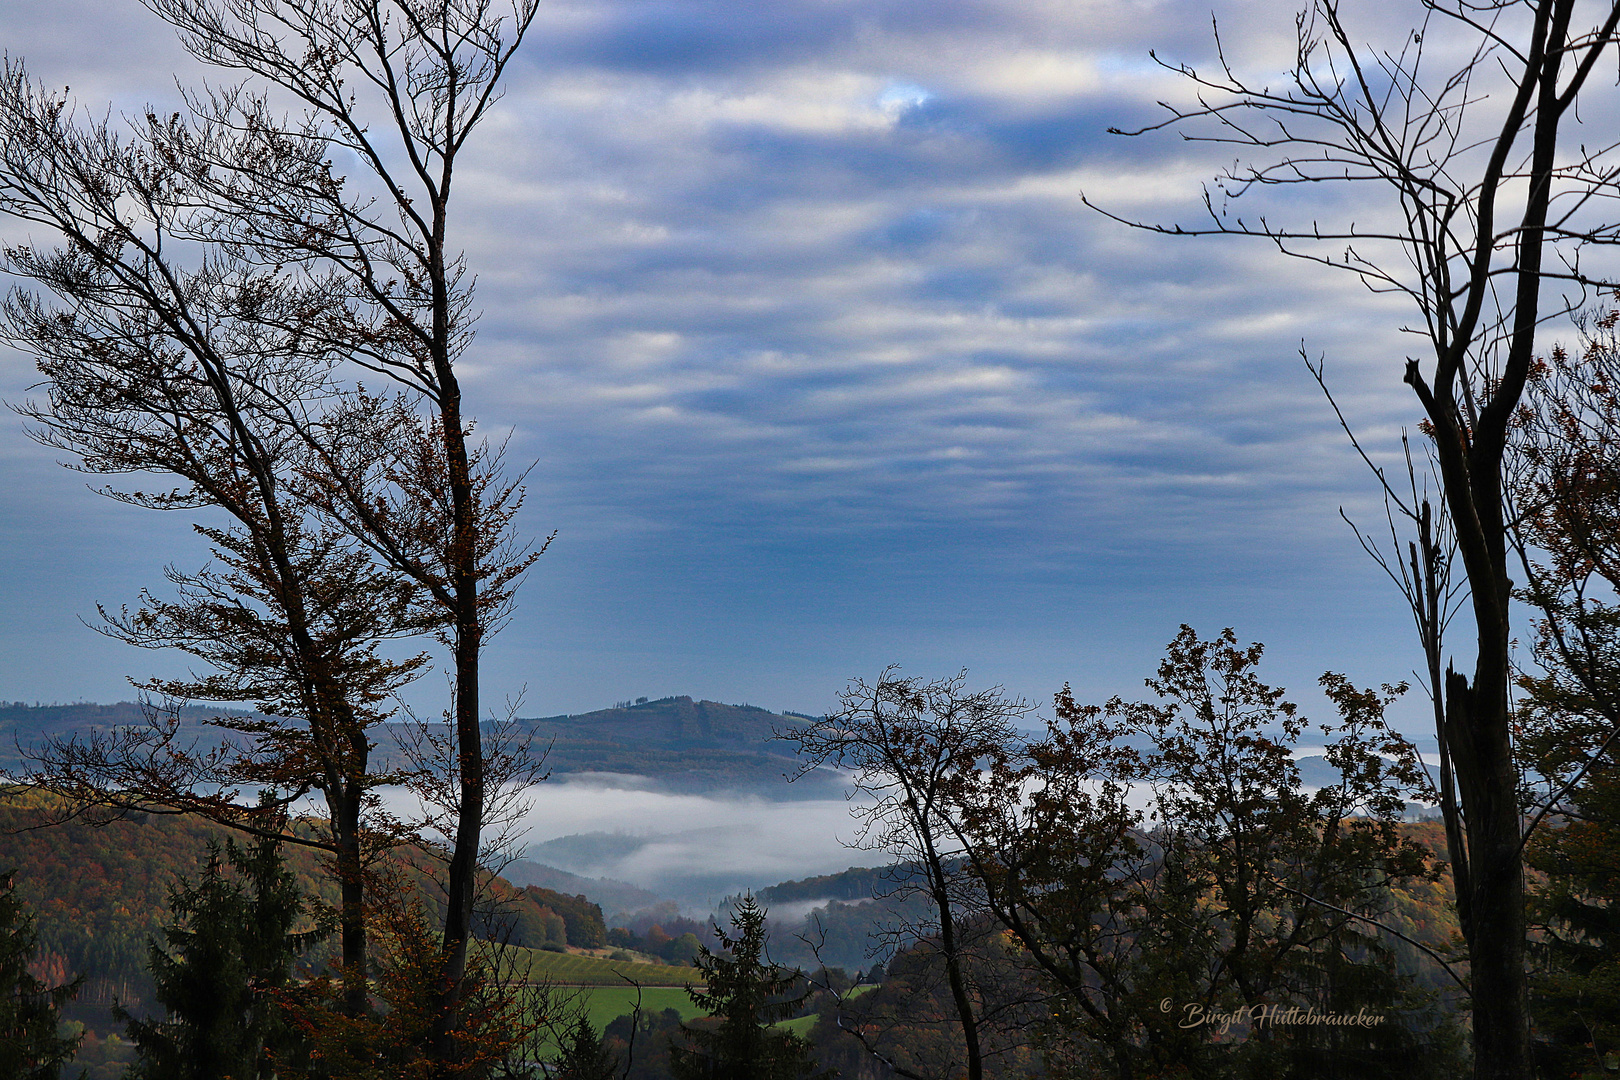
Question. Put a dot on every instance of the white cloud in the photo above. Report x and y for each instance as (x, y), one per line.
(807, 293)
(694, 847)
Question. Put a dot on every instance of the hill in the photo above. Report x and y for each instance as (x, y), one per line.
(682, 744)
(98, 893)
(23, 725)
(610, 894)
(578, 969)
(855, 884)
(677, 742)
(671, 723)
(847, 916)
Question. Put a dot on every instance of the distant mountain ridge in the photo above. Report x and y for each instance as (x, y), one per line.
(679, 742)
(683, 743)
(25, 725)
(585, 853)
(673, 722)
(855, 884)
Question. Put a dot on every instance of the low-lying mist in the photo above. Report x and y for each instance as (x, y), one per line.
(692, 848)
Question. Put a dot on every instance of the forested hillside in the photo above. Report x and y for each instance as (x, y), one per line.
(24, 725)
(99, 893)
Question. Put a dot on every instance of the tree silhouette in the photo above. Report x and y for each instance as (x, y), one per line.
(745, 993)
(1462, 131)
(296, 274)
(584, 1057)
(32, 1046)
(1567, 491)
(913, 745)
(219, 971)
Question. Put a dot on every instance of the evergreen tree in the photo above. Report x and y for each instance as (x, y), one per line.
(1570, 492)
(31, 1044)
(1575, 981)
(392, 1040)
(584, 1057)
(746, 993)
(218, 974)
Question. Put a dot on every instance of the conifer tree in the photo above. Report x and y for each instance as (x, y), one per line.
(32, 1046)
(584, 1057)
(1575, 907)
(746, 993)
(218, 974)
(1567, 491)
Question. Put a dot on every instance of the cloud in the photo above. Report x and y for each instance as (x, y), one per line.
(693, 848)
(798, 312)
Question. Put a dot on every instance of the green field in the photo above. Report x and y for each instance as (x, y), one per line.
(604, 1004)
(575, 969)
(599, 987)
(605, 989)
(799, 1025)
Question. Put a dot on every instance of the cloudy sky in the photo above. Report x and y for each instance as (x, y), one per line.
(823, 365)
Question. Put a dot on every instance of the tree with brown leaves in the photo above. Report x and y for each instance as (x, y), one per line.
(308, 271)
(913, 746)
(173, 369)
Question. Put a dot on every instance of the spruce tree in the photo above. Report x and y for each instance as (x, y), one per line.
(32, 1046)
(1575, 982)
(746, 993)
(584, 1057)
(217, 976)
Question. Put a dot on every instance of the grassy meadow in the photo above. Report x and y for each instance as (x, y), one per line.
(581, 969)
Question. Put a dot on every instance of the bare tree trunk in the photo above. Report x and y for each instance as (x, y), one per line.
(951, 947)
(350, 865)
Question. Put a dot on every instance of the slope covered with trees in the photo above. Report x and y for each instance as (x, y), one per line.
(99, 893)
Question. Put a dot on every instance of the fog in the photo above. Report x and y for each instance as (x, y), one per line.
(693, 848)
(697, 848)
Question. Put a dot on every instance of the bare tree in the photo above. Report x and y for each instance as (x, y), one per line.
(1490, 201)
(914, 746)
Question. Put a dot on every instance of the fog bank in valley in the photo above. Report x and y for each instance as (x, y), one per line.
(693, 848)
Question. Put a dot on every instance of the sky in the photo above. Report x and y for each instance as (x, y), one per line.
(821, 363)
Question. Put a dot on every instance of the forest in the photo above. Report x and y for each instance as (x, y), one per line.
(251, 312)
(100, 896)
